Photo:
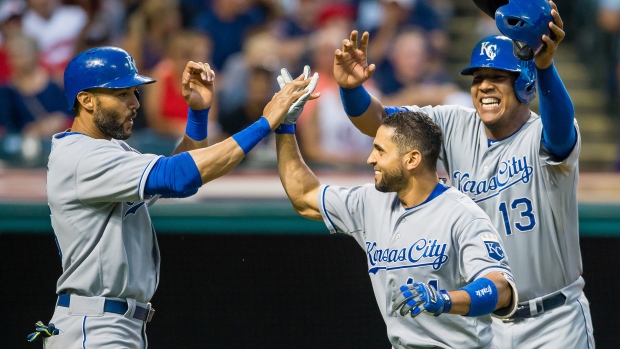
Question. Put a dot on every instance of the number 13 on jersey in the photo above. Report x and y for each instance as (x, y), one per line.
(523, 207)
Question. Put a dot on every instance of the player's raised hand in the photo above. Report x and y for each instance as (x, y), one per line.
(276, 110)
(297, 106)
(545, 57)
(351, 67)
(419, 297)
(198, 85)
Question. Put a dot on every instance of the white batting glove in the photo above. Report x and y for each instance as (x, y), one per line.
(296, 108)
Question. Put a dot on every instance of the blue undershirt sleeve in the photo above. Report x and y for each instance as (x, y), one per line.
(176, 176)
(557, 114)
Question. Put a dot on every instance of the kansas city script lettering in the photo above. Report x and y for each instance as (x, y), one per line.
(421, 253)
(508, 173)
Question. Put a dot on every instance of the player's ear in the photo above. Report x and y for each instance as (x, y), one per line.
(86, 100)
(413, 159)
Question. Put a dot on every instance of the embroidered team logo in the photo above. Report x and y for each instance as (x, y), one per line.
(488, 49)
(494, 249)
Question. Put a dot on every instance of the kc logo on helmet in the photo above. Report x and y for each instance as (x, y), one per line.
(488, 49)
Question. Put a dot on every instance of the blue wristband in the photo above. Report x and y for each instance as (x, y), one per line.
(484, 297)
(355, 100)
(196, 127)
(285, 128)
(249, 137)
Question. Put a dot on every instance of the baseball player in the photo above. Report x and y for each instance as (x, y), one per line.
(99, 190)
(519, 167)
(451, 266)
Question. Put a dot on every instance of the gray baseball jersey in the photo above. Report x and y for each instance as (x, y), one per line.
(95, 193)
(531, 199)
(447, 242)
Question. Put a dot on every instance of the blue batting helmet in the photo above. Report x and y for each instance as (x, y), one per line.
(495, 52)
(524, 21)
(106, 67)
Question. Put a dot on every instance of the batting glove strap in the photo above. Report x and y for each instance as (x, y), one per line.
(285, 128)
(447, 301)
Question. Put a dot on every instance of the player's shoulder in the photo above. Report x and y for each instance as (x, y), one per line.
(463, 205)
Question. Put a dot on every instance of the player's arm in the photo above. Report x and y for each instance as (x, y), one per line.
(197, 86)
(557, 112)
(182, 174)
(299, 182)
(351, 70)
(494, 292)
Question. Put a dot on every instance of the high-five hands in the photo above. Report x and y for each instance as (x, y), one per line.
(197, 85)
(297, 106)
(351, 67)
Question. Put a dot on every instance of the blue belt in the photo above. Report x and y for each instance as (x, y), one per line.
(114, 306)
(552, 302)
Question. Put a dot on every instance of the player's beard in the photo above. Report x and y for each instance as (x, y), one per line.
(107, 121)
(392, 180)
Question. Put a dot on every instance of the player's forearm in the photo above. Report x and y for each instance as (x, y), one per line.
(299, 182)
(188, 144)
(364, 110)
(462, 300)
(218, 159)
(195, 131)
(557, 113)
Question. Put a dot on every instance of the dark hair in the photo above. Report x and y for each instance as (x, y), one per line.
(415, 130)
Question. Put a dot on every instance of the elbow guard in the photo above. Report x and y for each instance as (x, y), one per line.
(174, 177)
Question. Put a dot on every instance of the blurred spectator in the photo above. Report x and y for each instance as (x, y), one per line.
(407, 80)
(260, 50)
(106, 23)
(11, 12)
(260, 89)
(40, 107)
(388, 16)
(165, 108)
(148, 28)
(57, 28)
(609, 21)
(227, 22)
(395, 15)
(295, 28)
(327, 137)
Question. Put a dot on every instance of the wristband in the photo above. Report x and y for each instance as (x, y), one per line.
(484, 297)
(196, 127)
(355, 100)
(285, 128)
(249, 137)
(447, 301)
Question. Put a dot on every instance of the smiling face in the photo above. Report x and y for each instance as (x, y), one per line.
(387, 161)
(114, 111)
(494, 98)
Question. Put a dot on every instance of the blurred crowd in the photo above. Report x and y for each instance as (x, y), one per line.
(246, 42)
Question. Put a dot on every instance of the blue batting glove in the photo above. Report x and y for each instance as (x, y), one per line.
(420, 297)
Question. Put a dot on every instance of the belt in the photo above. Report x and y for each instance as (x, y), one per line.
(548, 303)
(114, 306)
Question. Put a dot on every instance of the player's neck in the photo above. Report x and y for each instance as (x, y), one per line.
(83, 124)
(420, 187)
(507, 127)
